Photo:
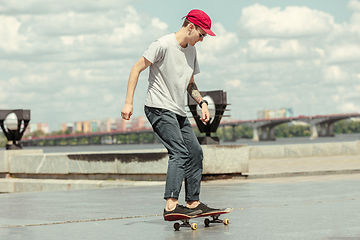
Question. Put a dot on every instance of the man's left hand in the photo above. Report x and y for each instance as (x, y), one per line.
(205, 113)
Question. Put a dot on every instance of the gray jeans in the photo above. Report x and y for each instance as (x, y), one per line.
(185, 152)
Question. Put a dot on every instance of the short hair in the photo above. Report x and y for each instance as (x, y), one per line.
(186, 22)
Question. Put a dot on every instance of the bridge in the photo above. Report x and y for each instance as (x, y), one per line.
(95, 138)
(267, 126)
(263, 130)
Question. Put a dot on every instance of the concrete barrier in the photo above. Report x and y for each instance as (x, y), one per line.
(305, 150)
(225, 159)
(35, 171)
(217, 160)
(5, 156)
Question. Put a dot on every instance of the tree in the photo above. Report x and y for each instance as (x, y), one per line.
(3, 140)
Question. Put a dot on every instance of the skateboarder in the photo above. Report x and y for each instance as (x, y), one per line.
(173, 64)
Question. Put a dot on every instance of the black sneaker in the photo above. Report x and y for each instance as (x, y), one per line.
(180, 212)
(205, 210)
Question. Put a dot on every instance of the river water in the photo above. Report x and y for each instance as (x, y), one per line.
(279, 141)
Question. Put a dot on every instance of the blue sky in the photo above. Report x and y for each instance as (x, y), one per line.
(69, 61)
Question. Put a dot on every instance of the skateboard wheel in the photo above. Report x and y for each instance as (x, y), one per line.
(177, 226)
(206, 222)
(193, 226)
(226, 221)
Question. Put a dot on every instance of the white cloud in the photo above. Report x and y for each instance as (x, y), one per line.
(155, 22)
(10, 40)
(260, 21)
(354, 5)
(358, 88)
(71, 23)
(37, 78)
(355, 23)
(270, 49)
(225, 43)
(335, 73)
(74, 36)
(68, 60)
(349, 108)
(233, 83)
(347, 52)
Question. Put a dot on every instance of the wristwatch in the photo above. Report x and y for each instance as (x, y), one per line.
(203, 101)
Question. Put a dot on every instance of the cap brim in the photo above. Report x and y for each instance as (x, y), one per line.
(208, 31)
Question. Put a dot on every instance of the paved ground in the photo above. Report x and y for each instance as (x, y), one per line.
(304, 166)
(315, 207)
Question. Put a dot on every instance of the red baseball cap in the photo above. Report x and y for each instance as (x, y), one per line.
(201, 19)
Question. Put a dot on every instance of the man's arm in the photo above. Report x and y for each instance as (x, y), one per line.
(139, 66)
(195, 94)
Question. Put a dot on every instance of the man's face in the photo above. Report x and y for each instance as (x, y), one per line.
(197, 35)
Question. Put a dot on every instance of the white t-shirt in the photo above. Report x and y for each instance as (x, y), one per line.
(170, 73)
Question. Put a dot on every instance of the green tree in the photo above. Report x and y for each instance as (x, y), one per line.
(3, 140)
(340, 127)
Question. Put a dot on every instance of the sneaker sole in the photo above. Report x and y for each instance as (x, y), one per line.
(179, 216)
(176, 216)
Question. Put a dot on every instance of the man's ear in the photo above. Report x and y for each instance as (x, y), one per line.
(191, 26)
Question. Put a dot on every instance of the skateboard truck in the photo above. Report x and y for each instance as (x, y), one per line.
(215, 219)
(185, 223)
(207, 221)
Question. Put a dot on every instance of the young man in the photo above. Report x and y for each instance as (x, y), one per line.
(173, 64)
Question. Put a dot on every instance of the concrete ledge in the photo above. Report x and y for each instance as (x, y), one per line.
(301, 173)
(350, 148)
(6, 154)
(300, 150)
(259, 152)
(217, 160)
(225, 159)
(305, 150)
(15, 185)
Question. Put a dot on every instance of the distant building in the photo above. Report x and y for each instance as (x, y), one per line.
(105, 125)
(137, 123)
(68, 127)
(84, 127)
(271, 114)
(33, 127)
(119, 125)
(95, 125)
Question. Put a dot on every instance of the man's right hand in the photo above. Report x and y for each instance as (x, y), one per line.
(127, 111)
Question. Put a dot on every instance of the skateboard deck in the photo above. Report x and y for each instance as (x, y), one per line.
(186, 219)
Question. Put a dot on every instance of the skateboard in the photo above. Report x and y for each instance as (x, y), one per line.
(186, 220)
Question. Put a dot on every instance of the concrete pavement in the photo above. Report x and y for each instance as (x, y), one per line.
(304, 166)
(316, 207)
(315, 200)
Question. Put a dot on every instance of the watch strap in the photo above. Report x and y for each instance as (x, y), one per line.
(202, 102)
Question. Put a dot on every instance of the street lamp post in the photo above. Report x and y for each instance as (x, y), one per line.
(13, 124)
